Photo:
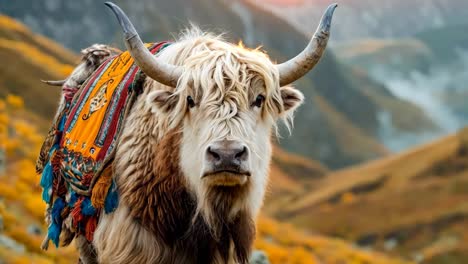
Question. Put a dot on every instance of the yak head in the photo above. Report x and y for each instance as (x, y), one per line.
(225, 100)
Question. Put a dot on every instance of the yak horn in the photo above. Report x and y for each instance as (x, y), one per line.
(298, 66)
(157, 70)
(54, 83)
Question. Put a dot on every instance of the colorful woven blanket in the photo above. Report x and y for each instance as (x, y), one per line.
(76, 157)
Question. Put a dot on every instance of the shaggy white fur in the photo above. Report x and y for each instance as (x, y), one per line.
(224, 80)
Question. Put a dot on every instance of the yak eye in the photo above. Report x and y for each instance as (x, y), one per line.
(259, 101)
(190, 101)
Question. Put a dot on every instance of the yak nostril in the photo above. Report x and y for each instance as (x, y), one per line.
(242, 154)
(213, 154)
(227, 154)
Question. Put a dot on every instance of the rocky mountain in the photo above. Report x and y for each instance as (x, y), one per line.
(339, 124)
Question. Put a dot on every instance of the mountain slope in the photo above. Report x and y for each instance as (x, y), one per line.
(31, 58)
(414, 203)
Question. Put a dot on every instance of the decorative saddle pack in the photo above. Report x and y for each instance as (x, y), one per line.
(76, 158)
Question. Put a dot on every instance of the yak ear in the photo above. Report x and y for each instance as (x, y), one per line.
(292, 98)
(161, 101)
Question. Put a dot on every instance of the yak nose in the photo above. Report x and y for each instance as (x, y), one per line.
(227, 155)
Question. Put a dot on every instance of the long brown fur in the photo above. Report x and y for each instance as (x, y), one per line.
(161, 202)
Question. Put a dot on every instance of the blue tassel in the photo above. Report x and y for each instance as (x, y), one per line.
(54, 233)
(55, 227)
(47, 176)
(62, 123)
(87, 208)
(47, 195)
(57, 209)
(112, 199)
(47, 180)
(73, 198)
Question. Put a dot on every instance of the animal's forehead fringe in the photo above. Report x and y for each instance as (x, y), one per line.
(223, 68)
(218, 73)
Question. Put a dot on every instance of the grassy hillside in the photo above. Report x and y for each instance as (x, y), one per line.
(413, 204)
(286, 245)
(28, 58)
(21, 206)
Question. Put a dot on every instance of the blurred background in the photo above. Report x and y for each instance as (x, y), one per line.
(376, 168)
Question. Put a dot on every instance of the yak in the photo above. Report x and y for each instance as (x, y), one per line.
(192, 162)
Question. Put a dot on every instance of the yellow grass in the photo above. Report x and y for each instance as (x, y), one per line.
(414, 160)
(424, 196)
(37, 57)
(11, 24)
(285, 244)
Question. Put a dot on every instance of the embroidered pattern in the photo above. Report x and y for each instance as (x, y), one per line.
(76, 158)
(98, 101)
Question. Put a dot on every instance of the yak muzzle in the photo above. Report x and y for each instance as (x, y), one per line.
(226, 163)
